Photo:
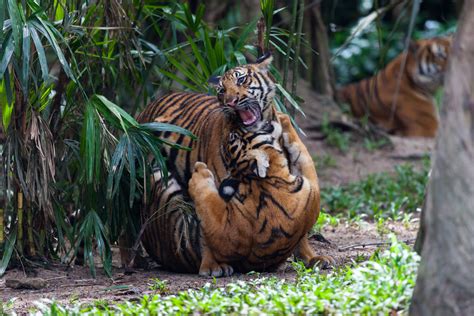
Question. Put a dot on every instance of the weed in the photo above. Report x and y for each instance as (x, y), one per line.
(326, 219)
(384, 194)
(373, 144)
(158, 286)
(325, 161)
(334, 136)
(381, 228)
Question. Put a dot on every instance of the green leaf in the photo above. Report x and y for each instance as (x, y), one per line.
(6, 53)
(133, 175)
(2, 18)
(26, 59)
(290, 98)
(243, 38)
(58, 10)
(40, 50)
(113, 113)
(90, 144)
(16, 24)
(165, 127)
(44, 28)
(199, 57)
(7, 251)
(6, 107)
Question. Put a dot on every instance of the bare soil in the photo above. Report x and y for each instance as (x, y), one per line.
(75, 284)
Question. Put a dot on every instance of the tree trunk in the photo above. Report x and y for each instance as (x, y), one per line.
(320, 71)
(445, 284)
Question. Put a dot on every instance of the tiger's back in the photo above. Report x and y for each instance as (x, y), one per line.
(407, 107)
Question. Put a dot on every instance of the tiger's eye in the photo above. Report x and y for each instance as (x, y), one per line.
(241, 80)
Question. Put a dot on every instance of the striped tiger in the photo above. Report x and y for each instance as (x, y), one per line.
(411, 112)
(270, 212)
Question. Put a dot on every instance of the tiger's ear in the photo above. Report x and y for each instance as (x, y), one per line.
(263, 62)
(214, 80)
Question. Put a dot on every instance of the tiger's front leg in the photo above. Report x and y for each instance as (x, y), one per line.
(299, 158)
(211, 210)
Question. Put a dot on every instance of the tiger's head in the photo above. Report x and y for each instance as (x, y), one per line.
(247, 92)
(427, 62)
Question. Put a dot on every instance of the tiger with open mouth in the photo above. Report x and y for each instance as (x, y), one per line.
(187, 230)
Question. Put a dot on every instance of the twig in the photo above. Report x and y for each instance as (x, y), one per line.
(381, 243)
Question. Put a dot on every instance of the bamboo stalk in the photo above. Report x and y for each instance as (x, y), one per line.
(20, 222)
(2, 226)
(297, 51)
(29, 219)
(290, 42)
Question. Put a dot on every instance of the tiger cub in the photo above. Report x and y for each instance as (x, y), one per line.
(410, 112)
(224, 220)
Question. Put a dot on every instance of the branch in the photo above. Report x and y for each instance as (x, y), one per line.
(381, 243)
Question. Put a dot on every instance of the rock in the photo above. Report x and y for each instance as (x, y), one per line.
(26, 283)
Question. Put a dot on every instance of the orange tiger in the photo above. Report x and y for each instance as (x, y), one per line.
(230, 206)
(413, 113)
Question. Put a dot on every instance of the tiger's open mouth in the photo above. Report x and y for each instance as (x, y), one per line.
(249, 113)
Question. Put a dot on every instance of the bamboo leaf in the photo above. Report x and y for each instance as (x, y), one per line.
(7, 251)
(165, 127)
(40, 50)
(2, 18)
(113, 113)
(7, 107)
(16, 24)
(133, 175)
(290, 98)
(26, 59)
(199, 57)
(44, 28)
(243, 38)
(6, 52)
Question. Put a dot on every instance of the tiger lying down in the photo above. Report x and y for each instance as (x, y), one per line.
(245, 196)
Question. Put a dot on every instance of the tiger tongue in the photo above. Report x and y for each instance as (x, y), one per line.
(248, 117)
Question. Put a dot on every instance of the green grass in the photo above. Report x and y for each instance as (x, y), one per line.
(378, 286)
(387, 195)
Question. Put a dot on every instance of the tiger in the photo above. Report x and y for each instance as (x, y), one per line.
(290, 196)
(406, 108)
(178, 233)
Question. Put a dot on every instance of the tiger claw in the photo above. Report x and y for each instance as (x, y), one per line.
(199, 165)
(217, 271)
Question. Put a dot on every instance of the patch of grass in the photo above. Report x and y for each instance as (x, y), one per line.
(378, 286)
(373, 144)
(324, 161)
(326, 219)
(335, 137)
(379, 195)
(158, 286)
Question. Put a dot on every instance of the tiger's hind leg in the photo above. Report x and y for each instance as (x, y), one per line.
(171, 230)
(211, 210)
(300, 161)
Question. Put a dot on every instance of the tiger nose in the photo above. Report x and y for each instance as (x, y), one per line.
(232, 102)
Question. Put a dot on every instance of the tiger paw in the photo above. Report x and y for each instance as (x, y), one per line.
(323, 262)
(215, 269)
(260, 164)
(201, 179)
(285, 121)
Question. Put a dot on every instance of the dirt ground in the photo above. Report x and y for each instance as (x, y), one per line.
(73, 285)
